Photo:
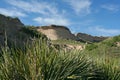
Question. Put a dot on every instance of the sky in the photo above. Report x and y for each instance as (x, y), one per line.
(94, 17)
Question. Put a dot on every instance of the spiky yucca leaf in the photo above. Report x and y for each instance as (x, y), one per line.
(106, 69)
(39, 62)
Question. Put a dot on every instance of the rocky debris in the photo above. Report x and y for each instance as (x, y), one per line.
(55, 32)
(73, 47)
(67, 47)
(88, 38)
(117, 44)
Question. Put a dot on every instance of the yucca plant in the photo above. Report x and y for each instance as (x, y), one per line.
(105, 69)
(39, 62)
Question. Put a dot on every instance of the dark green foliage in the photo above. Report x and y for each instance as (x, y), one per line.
(111, 42)
(41, 63)
(91, 46)
(116, 38)
(32, 32)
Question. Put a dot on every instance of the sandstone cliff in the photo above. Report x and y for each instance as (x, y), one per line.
(55, 32)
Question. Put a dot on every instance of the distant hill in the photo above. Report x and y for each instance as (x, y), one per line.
(89, 38)
(56, 32)
(14, 31)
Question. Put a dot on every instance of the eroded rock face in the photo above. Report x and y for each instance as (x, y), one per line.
(9, 27)
(89, 38)
(55, 32)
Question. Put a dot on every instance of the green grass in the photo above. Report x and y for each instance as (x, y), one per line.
(106, 55)
(41, 63)
(37, 61)
(64, 41)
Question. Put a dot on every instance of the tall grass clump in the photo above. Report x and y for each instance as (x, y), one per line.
(106, 69)
(39, 62)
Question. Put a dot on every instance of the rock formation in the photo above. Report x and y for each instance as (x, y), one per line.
(88, 38)
(55, 32)
(9, 27)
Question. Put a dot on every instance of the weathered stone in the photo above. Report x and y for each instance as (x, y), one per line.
(55, 32)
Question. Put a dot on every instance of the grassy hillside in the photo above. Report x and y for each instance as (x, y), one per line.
(39, 62)
(64, 41)
(107, 49)
(109, 46)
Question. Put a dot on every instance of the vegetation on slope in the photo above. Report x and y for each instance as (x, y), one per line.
(65, 41)
(32, 32)
(107, 51)
(39, 62)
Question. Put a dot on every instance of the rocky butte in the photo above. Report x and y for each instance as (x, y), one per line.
(55, 32)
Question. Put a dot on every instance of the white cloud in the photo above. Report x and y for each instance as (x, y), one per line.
(34, 6)
(111, 7)
(98, 30)
(80, 6)
(12, 12)
(48, 12)
(52, 20)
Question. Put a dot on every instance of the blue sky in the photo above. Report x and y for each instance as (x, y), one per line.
(95, 17)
